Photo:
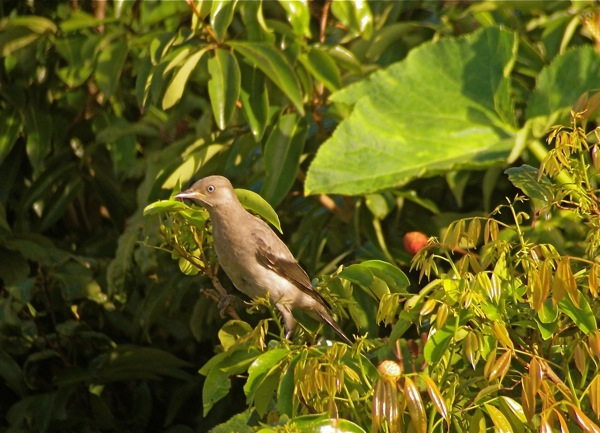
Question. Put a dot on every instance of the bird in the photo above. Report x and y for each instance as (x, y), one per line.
(254, 258)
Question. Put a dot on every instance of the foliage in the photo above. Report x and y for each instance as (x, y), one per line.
(413, 108)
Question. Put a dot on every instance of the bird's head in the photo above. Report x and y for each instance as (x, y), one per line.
(211, 191)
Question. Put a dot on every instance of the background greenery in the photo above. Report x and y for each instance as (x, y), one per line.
(358, 122)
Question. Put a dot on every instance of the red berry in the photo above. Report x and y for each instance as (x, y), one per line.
(414, 241)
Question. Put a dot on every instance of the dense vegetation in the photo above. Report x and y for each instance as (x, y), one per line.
(368, 126)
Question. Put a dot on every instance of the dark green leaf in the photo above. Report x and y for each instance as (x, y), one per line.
(322, 67)
(223, 85)
(109, 67)
(255, 100)
(10, 127)
(38, 125)
(275, 66)
(282, 157)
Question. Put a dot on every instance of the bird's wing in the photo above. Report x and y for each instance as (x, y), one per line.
(287, 267)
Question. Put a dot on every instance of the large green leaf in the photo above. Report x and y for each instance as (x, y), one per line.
(275, 66)
(446, 106)
(223, 85)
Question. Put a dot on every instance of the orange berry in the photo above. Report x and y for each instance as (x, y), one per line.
(414, 241)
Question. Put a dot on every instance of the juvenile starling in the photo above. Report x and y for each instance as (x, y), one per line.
(255, 258)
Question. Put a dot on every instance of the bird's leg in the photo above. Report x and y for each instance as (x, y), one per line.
(289, 322)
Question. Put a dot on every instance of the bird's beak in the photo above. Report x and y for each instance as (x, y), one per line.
(192, 195)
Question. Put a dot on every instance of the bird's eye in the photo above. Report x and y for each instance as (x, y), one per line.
(210, 188)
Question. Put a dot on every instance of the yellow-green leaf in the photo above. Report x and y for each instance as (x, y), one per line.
(500, 422)
(177, 85)
(437, 398)
(416, 410)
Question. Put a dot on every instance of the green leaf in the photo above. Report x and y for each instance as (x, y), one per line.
(528, 180)
(128, 362)
(322, 423)
(10, 127)
(446, 106)
(223, 85)
(165, 206)
(80, 54)
(217, 371)
(232, 331)
(260, 369)
(22, 31)
(282, 157)
(298, 15)
(582, 315)
(177, 85)
(38, 125)
(562, 82)
(109, 67)
(12, 374)
(258, 205)
(275, 66)
(439, 341)
(358, 274)
(255, 100)
(221, 15)
(392, 275)
(194, 158)
(320, 64)
(79, 20)
(356, 15)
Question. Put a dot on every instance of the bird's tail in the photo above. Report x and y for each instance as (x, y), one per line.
(326, 317)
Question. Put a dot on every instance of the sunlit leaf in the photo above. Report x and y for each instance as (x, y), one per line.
(178, 83)
(500, 422)
(416, 409)
(255, 203)
(409, 120)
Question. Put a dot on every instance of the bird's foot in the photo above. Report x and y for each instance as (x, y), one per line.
(226, 301)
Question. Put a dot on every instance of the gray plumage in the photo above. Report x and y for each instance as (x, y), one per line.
(255, 259)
